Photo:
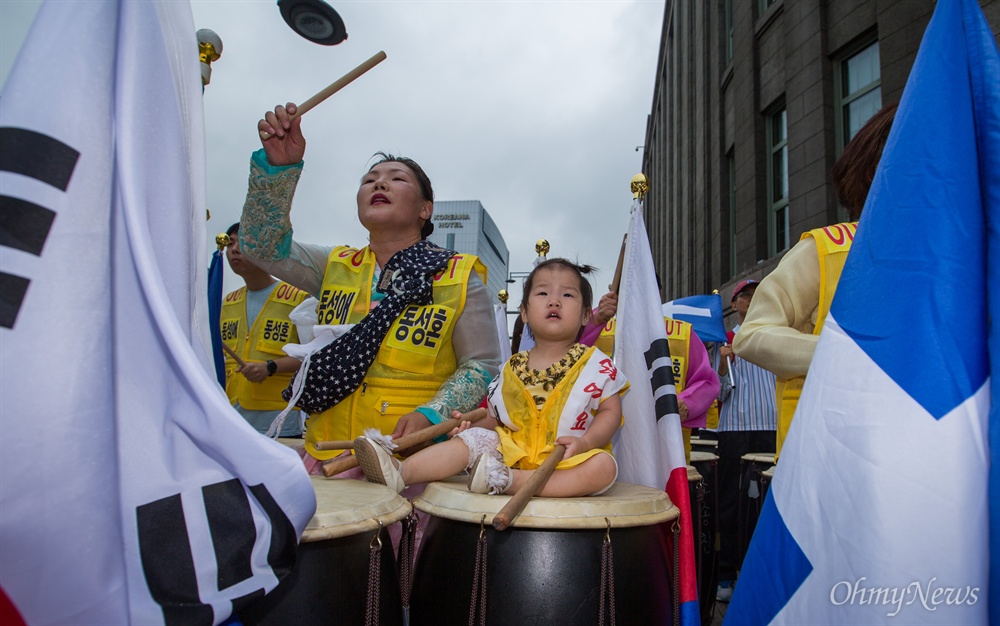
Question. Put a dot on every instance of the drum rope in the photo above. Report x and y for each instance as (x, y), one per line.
(479, 579)
(406, 545)
(607, 578)
(374, 578)
(677, 573)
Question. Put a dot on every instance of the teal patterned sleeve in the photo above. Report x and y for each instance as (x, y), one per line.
(266, 226)
(463, 391)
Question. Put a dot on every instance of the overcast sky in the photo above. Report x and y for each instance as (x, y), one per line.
(533, 108)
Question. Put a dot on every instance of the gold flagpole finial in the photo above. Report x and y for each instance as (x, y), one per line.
(639, 186)
(209, 49)
(715, 292)
(222, 240)
(503, 296)
(542, 247)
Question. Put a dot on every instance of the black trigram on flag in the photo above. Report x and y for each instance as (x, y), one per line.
(661, 377)
(169, 565)
(24, 225)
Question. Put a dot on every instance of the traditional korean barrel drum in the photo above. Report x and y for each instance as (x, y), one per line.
(751, 498)
(562, 560)
(704, 445)
(765, 480)
(707, 540)
(335, 571)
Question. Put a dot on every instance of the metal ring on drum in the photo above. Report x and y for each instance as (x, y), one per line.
(333, 569)
(547, 566)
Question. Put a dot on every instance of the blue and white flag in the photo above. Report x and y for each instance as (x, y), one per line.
(131, 492)
(215, 281)
(879, 511)
(704, 313)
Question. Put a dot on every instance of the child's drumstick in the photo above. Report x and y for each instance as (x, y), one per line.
(335, 86)
(534, 484)
(334, 445)
(344, 463)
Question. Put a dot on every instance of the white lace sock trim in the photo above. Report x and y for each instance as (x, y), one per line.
(480, 441)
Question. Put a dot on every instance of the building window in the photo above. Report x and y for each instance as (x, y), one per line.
(859, 91)
(729, 31)
(731, 170)
(450, 242)
(765, 4)
(777, 181)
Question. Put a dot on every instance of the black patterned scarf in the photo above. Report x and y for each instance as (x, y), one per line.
(338, 369)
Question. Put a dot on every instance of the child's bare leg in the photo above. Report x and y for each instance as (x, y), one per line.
(440, 461)
(592, 475)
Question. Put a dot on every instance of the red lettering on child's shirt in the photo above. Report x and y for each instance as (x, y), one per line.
(581, 421)
(593, 390)
(607, 367)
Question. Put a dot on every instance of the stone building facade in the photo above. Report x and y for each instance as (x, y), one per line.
(754, 101)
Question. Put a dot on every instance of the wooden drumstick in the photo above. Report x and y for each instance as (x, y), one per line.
(533, 485)
(334, 445)
(334, 87)
(344, 463)
(235, 356)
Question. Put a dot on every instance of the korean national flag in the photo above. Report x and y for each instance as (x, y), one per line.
(131, 492)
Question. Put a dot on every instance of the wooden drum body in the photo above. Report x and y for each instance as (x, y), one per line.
(329, 583)
(707, 539)
(546, 567)
(751, 499)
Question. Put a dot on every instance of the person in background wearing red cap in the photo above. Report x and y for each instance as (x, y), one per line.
(747, 424)
(782, 326)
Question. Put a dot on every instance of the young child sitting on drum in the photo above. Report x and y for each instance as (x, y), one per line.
(558, 392)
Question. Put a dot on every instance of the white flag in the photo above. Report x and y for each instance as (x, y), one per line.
(649, 446)
(500, 311)
(130, 491)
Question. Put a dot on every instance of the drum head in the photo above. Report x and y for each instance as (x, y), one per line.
(347, 507)
(693, 475)
(703, 457)
(759, 457)
(624, 505)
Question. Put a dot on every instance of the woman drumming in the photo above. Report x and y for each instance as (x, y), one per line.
(428, 347)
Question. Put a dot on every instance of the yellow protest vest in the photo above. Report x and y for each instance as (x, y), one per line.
(679, 341)
(261, 341)
(678, 338)
(416, 355)
(832, 244)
